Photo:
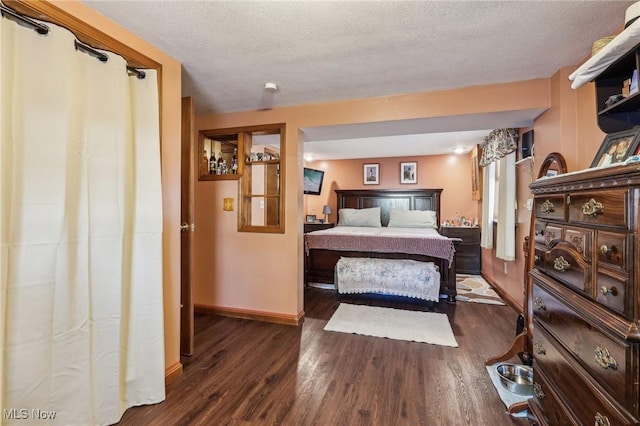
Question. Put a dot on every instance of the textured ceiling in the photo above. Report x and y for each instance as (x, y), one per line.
(323, 51)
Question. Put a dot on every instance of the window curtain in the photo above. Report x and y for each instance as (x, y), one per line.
(499, 150)
(506, 228)
(80, 232)
(488, 195)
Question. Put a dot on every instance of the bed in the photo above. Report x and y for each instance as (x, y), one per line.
(325, 248)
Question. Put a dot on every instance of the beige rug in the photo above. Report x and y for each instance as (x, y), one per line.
(474, 288)
(398, 324)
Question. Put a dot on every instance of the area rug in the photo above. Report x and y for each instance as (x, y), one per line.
(474, 288)
(398, 324)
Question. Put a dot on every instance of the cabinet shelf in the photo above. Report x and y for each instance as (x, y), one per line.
(624, 114)
(257, 162)
(629, 104)
(219, 177)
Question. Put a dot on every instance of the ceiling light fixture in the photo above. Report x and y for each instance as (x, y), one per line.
(460, 149)
(271, 87)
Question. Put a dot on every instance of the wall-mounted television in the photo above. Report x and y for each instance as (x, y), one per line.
(313, 181)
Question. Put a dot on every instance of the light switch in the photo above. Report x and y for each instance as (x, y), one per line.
(529, 204)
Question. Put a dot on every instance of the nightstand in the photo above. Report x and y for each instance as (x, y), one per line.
(309, 227)
(468, 251)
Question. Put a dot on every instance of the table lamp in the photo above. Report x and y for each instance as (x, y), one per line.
(327, 211)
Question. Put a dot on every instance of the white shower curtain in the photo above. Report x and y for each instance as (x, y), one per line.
(81, 317)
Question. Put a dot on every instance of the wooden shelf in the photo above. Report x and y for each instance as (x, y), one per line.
(258, 162)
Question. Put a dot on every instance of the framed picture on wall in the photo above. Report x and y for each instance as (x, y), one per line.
(371, 174)
(617, 147)
(409, 172)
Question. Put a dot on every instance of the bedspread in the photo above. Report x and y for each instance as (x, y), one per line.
(424, 241)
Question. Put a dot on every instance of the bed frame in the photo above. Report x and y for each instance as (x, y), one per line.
(320, 263)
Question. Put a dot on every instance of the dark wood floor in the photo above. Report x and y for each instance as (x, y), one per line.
(250, 372)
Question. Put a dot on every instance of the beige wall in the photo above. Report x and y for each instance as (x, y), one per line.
(450, 172)
(263, 273)
(170, 132)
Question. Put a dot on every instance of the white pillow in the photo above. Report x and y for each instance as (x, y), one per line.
(400, 218)
(360, 217)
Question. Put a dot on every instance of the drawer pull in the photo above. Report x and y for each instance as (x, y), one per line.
(539, 305)
(547, 207)
(536, 258)
(612, 291)
(606, 251)
(601, 420)
(592, 208)
(604, 358)
(559, 264)
(539, 348)
(537, 391)
(540, 232)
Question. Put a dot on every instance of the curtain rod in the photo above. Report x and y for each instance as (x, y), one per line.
(139, 74)
(41, 29)
(102, 57)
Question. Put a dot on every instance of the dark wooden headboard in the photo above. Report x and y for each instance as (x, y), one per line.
(386, 199)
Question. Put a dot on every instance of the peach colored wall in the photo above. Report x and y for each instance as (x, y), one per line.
(170, 133)
(264, 272)
(450, 172)
(569, 127)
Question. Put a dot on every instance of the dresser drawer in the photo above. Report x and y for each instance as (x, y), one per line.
(552, 233)
(550, 207)
(599, 207)
(468, 234)
(606, 359)
(611, 291)
(580, 239)
(547, 404)
(584, 399)
(565, 264)
(538, 233)
(611, 249)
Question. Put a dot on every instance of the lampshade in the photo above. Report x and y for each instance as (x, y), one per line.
(326, 209)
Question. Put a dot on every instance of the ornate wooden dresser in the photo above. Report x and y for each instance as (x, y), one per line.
(584, 297)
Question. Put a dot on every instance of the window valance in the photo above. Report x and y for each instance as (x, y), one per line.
(499, 143)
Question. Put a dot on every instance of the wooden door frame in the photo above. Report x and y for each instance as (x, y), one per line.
(186, 237)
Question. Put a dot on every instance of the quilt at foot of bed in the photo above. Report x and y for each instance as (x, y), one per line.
(395, 277)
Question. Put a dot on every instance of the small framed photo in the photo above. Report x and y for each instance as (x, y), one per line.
(311, 218)
(617, 147)
(371, 174)
(409, 172)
